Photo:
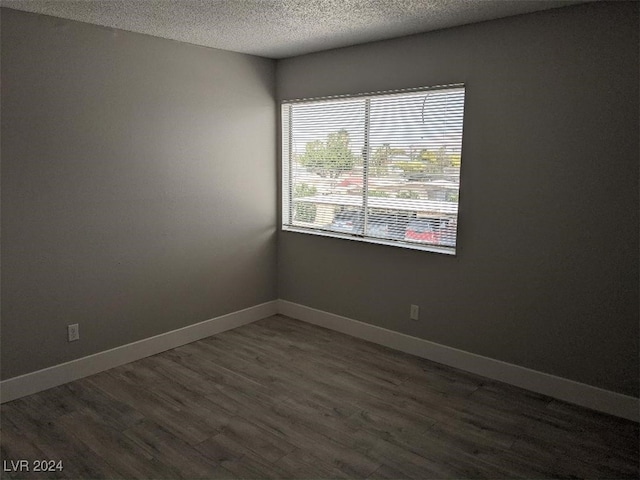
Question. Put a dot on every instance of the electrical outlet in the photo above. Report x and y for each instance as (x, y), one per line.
(73, 332)
(414, 314)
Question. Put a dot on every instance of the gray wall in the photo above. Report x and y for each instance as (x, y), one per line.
(546, 275)
(138, 187)
(127, 204)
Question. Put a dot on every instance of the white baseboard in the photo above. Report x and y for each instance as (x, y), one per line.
(30, 383)
(557, 387)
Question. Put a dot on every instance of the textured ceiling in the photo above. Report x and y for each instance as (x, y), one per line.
(281, 28)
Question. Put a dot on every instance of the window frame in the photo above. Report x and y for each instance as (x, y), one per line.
(286, 162)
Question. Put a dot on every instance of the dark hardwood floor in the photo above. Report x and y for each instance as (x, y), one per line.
(281, 398)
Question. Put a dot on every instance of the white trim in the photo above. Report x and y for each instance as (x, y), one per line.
(423, 247)
(50, 377)
(557, 387)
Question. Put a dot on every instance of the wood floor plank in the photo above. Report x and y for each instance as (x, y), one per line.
(173, 453)
(51, 443)
(15, 447)
(408, 464)
(282, 353)
(170, 415)
(284, 399)
(385, 472)
(306, 466)
(121, 453)
(336, 457)
(387, 420)
(252, 467)
(220, 448)
(232, 361)
(314, 440)
(112, 411)
(260, 441)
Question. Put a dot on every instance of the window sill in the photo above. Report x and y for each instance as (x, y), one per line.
(375, 241)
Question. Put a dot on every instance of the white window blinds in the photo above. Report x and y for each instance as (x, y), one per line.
(383, 168)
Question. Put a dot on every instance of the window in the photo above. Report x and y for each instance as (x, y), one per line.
(381, 168)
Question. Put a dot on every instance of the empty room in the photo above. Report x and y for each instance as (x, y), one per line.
(298, 239)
